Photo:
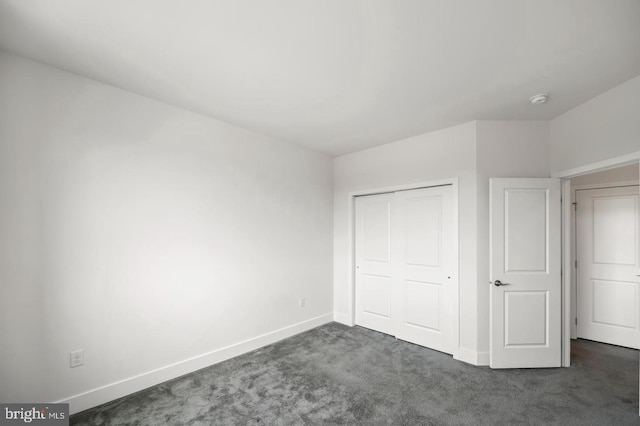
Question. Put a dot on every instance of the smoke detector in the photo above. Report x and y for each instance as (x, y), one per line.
(539, 99)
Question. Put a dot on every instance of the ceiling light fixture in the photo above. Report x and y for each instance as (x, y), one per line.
(539, 99)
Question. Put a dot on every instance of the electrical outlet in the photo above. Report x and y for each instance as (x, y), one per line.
(76, 358)
(301, 302)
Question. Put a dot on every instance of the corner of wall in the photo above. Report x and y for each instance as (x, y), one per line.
(470, 356)
(343, 318)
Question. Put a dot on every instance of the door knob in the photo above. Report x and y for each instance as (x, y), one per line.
(498, 283)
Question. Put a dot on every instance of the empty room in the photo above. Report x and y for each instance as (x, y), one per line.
(319, 212)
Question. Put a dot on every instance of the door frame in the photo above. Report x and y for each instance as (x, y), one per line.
(567, 246)
(455, 311)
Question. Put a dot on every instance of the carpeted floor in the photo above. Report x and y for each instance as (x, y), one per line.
(340, 375)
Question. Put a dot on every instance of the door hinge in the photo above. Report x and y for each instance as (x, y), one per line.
(576, 320)
(575, 264)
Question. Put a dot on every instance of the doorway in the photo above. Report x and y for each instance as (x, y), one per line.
(605, 291)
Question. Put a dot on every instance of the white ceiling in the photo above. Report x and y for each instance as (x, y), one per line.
(339, 75)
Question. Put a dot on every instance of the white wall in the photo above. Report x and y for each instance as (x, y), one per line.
(505, 149)
(445, 154)
(607, 126)
(21, 302)
(145, 235)
(628, 173)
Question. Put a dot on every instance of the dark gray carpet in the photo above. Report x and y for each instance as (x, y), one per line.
(340, 375)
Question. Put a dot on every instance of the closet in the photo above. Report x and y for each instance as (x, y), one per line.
(404, 248)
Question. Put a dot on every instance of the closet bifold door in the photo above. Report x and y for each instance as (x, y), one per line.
(404, 253)
(373, 273)
(423, 257)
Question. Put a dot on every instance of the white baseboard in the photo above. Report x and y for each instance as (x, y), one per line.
(342, 319)
(473, 357)
(137, 383)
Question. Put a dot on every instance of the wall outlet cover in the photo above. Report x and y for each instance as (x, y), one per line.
(76, 358)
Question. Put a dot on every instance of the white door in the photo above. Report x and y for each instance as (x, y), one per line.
(373, 262)
(525, 251)
(607, 254)
(424, 256)
(404, 261)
